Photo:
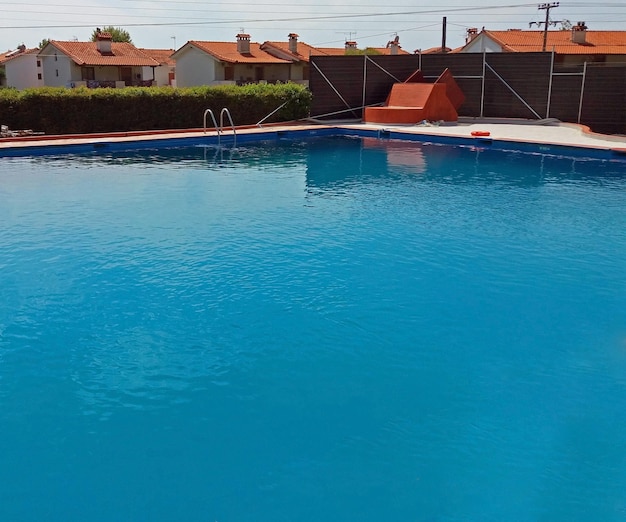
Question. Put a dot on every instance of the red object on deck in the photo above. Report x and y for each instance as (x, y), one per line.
(481, 133)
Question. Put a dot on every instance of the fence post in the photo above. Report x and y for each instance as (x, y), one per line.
(582, 92)
(482, 88)
(550, 84)
(364, 77)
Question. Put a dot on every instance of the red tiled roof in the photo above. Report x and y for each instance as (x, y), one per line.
(163, 56)
(10, 55)
(330, 51)
(435, 50)
(122, 54)
(596, 42)
(304, 50)
(387, 50)
(227, 52)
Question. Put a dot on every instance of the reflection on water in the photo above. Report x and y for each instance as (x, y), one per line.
(350, 160)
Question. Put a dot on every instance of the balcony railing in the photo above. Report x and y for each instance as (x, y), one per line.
(96, 84)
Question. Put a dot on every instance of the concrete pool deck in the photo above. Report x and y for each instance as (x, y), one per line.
(543, 132)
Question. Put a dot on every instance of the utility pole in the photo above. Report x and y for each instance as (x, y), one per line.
(546, 8)
(444, 30)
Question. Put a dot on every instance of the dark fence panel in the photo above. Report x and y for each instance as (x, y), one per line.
(513, 82)
(566, 90)
(604, 101)
(528, 75)
(346, 74)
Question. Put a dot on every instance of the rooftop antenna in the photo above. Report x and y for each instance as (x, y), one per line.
(174, 38)
(349, 35)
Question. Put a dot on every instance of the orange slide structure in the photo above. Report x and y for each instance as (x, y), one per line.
(412, 102)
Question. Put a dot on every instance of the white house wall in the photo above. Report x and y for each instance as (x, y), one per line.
(57, 68)
(22, 72)
(195, 67)
(161, 75)
(482, 44)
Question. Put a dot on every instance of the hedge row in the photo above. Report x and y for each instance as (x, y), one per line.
(59, 110)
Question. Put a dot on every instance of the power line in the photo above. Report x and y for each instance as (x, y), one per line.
(291, 19)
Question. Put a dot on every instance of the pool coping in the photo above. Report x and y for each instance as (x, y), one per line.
(544, 136)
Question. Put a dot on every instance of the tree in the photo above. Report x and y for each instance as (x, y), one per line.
(118, 34)
(43, 43)
(367, 50)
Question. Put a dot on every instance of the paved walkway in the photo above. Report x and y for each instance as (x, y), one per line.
(550, 132)
(523, 131)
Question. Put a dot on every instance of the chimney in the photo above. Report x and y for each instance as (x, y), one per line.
(472, 33)
(579, 33)
(243, 43)
(103, 42)
(293, 43)
(351, 45)
(394, 45)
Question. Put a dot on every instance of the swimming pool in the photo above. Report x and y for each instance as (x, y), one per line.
(322, 329)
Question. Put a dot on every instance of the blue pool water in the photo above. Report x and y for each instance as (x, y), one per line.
(336, 329)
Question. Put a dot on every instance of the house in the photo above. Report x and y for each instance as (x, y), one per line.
(165, 73)
(215, 63)
(3, 77)
(571, 47)
(243, 61)
(22, 68)
(102, 63)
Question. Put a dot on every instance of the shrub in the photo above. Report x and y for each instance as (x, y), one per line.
(57, 110)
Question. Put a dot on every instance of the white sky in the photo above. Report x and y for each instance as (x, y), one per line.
(324, 23)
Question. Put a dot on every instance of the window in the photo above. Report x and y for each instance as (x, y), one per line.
(39, 76)
(38, 63)
(88, 73)
(55, 57)
(57, 72)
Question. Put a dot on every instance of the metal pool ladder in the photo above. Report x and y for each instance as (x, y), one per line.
(220, 128)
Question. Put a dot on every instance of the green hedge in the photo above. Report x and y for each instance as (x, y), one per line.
(57, 110)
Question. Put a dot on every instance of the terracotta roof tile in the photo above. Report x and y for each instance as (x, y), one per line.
(227, 52)
(304, 50)
(330, 51)
(387, 50)
(163, 56)
(10, 55)
(122, 54)
(597, 42)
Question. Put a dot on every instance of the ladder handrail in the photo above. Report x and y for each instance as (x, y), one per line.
(230, 119)
(209, 111)
(220, 128)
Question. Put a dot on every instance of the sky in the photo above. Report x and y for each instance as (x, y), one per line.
(169, 24)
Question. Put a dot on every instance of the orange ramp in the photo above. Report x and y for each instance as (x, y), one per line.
(413, 103)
